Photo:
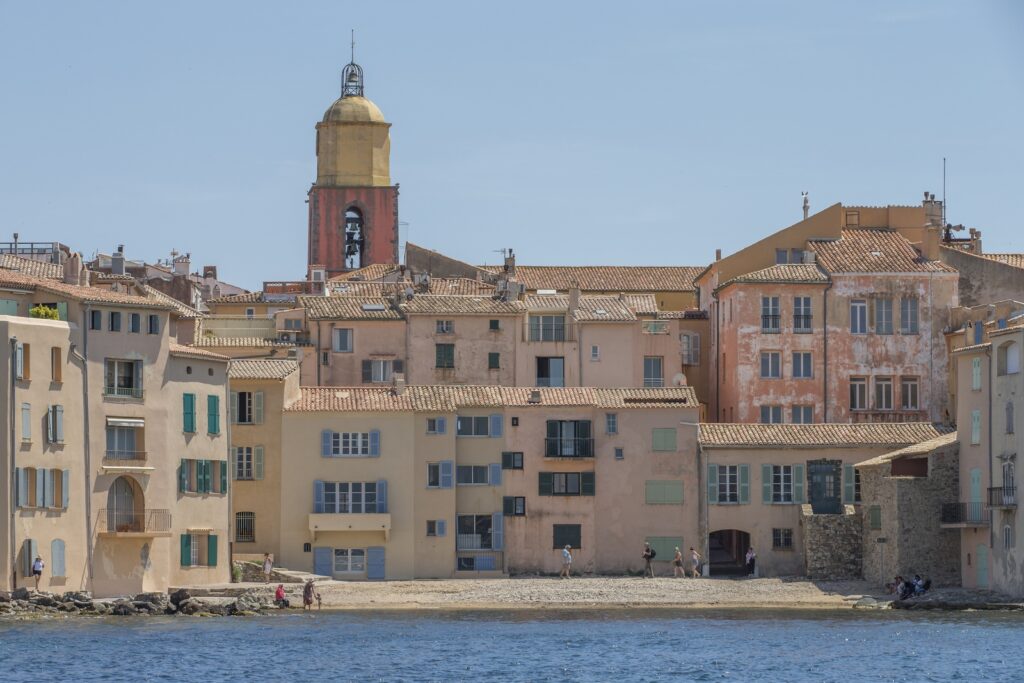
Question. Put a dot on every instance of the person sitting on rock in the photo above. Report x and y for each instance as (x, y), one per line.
(279, 599)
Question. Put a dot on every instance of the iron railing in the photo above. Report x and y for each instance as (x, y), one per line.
(473, 541)
(245, 527)
(123, 392)
(802, 323)
(970, 514)
(770, 324)
(123, 454)
(569, 447)
(1002, 497)
(479, 562)
(654, 381)
(116, 520)
(550, 381)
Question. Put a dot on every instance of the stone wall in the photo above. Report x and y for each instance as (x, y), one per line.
(982, 280)
(832, 544)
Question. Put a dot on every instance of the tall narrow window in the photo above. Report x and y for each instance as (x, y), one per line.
(654, 375)
(858, 316)
(883, 393)
(444, 356)
(342, 338)
(883, 316)
(115, 321)
(802, 314)
(976, 374)
(908, 315)
(353, 238)
(56, 364)
(771, 365)
(858, 393)
(1009, 417)
(770, 314)
(909, 393)
(802, 365)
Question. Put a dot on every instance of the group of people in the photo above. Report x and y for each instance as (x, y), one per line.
(649, 553)
(309, 591)
(908, 588)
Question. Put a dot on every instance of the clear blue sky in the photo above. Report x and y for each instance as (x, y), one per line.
(581, 133)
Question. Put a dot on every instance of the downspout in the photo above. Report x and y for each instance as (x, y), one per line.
(824, 353)
(991, 530)
(319, 352)
(11, 473)
(231, 465)
(703, 512)
(718, 363)
(86, 445)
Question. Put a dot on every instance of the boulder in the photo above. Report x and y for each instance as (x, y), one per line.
(5, 596)
(189, 606)
(179, 596)
(44, 600)
(21, 594)
(68, 607)
(159, 599)
(249, 602)
(77, 596)
(122, 608)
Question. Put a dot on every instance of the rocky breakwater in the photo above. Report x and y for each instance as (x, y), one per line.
(25, 603)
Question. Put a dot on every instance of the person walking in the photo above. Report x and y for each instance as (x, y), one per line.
(695, 560)
(751, 561)
(566, 562)
(307, 595)
(37, 569)
(677, 564)
(648, 555)
(268, 567)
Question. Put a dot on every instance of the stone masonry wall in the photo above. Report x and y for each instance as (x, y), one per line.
(832, 544)
(926, 548)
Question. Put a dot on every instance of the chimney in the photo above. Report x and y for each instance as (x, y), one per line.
(932, 209)
(398, 383)
(73, 269)
(930, 242)
(510, 263)
(83, 278)
(182, 264)
(117, 261)
(718, 254)
(574, 298)
(807, 204)
(534, 396)
(209, 272)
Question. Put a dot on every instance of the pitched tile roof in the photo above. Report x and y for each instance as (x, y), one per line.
(374, 271)
(351, 399)
(247, 298)
(592, 308)
(972, 348)
(240, 342)
(262, 368)
(349, 308)
(180, 309)
(791, 273)
(89, 295)
(662, 397)
(873, 250)
(642, 304)
(1010, 329)
(914, 450)
(51, 271)
(460, 305)
(192, 352)
(607, 278)
(692, 314)
(831, 435)
(1015, 260)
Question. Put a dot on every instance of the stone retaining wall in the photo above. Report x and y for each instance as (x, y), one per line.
(832, 544)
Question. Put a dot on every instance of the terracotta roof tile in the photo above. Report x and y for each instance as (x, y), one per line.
(972, 347)
(437, 304)
(349, 308)
(264, 368)
(914, 450)
(247, 298)
(1015, 260)
(192, 352)
(31, 267)
(182, 310)
(876, 250)
(667, 397)
(693, 314)
(90, 295)
(591, 308)
(1010, 329)
(351, 399)
(240, 342)
(642, 304)
(816, 435)
(606, 278)
(795, 273)
(374, 271)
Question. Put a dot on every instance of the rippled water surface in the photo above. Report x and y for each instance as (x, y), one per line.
(510, 646)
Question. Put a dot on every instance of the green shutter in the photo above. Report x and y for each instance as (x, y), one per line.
(182, 477)
(712, 484)
(211, 551)
(744, 483)
(653, 493)
(586, 483)
(848, 479)
(223, 476)
(875, 517)
(186, 550)
(188, 408)
(798, 483)
(766, 483)
(213, 414)
(257, 407)
(546, 483)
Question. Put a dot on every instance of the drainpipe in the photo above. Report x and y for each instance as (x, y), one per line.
(991, 530)
(11, 473)
(824, 342)
(718, 364)
(86, 446)
(230, 461)
(316, 357)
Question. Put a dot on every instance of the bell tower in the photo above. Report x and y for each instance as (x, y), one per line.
(353, 207)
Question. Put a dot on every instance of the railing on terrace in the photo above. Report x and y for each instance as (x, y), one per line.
(569, 447)
(113, 520)
(479, 562)
(654, 381)
(122, 454)
(802, 323)
(473, 541)
(770, 324)
(1002, 497)
(123, 392)
(968, 514)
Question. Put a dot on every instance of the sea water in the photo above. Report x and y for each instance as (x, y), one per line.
(585, 645)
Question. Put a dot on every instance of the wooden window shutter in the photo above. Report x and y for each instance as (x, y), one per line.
(546, 483)
(382, 495)
(848, 484)
(211, 551)
(213, 414)
(712, 484)
(744, 484)
(257, 462)
(258, 407)
(367, 371)
(318, 496)
(798, 483)
(326, 441)
(375, 443)
(766, 483)
(186, 550)
(188, 407)
(586, 483)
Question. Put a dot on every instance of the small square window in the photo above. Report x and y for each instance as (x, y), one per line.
(515, 421)
(620, 454)
(307, 547)
(431, 527)
(493, 361)
(495, 325)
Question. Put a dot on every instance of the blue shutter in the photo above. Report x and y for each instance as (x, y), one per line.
(494, 478)
(40, 487)
(497, 422)
(766, 483)
(382, 495)
(441, 425)
(798, 483)
(65, 488)
(497, 531)
(744, 483)
(447, 474)
(51, 423)
(48, 489)
(485, 563)
(257, 462)
(712, 484)
(57, 564)
(848, 482)
(375, 563)
(323, 561)
(58, 412)
(374, 443)
(318, 496)
(21, 477)
(442, 527)
(326, 437)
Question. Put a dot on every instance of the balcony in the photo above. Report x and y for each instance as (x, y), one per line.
(125, 460)
(654, 382)
(118, 523)
(569, 447)
(473, 541)
(323, 522)
(802, 324)
(122, 392)
(655, 327)
(770, 324)
(964, 515)
(1004, 497)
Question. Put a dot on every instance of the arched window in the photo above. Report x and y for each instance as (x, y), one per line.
(1008, 537)
(353, 238)
(1008, 359)
(1008, 477)
(125, 506)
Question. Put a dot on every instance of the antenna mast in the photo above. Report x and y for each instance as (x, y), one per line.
(943, 191)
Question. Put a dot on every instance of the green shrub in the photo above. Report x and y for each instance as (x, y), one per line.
(44, 312)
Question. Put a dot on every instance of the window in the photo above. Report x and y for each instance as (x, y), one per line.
(114, 320)
(856, 486)
(1007, 537)
(123, 378)
(198, 550)
(568, 439)
(782, 483)
(611, 423)
(56, 364)
(514, 506)
(494, 325)
(349, 444)
(802, 365)
(976, 374)
(690, 342)
(444, 356)
(346, 498)
(250, 313)
(595, 353)
(620, 454)
(566, 535)
(858, 393)
(802, 314)
(908, 315)
(654, 374)
(771, 365)
(292, 324)
(550, 371)
(770, 314)
(875, 517)
(909, 393)
(802, 415)
(95, 320)
(122, 444)
(325, 358)
(247, 407)
(728, 484)
(1007, 359)
(55, 424)
(434, 475)
(493, 360)
(248, 462)
(135, 323)
(444, 326)
(26, 422)
(975, 427)
(474, 532)
(858, 316)
(565, 483)
(341, 340)
(883, 393)
(663, 492)
(23, 361)
(437, 425)
(782, 539)
(378, 371)
(883, 316)
(471, 474)
(203, 476)
(154, 324)
(245, 527)
(781, 256)
(771, 415)
(349, 560)
(1009, 417)
(547, 328)
(511, 460)
(663, 439)
(472, 426)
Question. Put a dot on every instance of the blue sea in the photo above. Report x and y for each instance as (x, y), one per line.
(649, 645)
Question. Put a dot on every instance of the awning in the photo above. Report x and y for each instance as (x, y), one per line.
(135, 422)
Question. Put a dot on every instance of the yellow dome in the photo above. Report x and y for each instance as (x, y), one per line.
(353, 109)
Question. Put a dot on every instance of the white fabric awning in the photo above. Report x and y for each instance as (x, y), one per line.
(125, 422)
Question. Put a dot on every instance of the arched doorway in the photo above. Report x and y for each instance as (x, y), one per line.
(125, 506)
(727, 550)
